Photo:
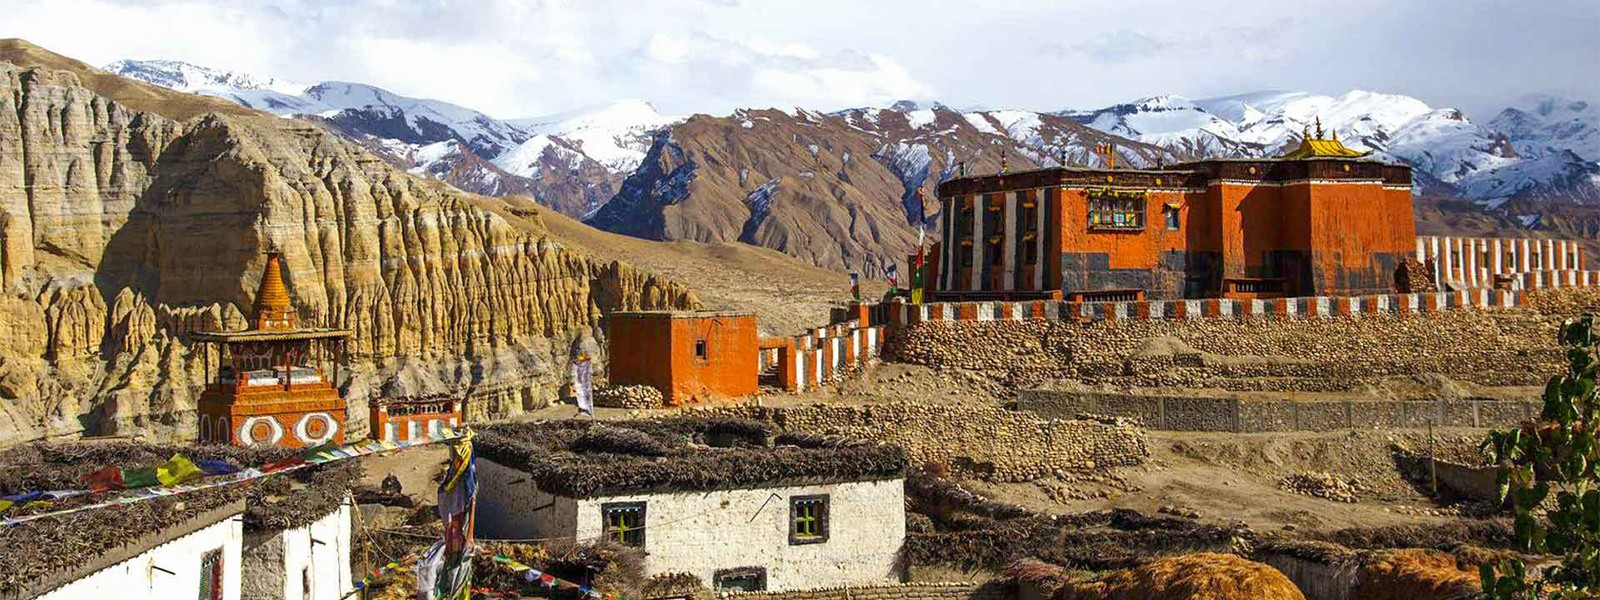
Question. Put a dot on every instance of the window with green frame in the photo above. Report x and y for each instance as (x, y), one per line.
(624, 522)
(808, 519)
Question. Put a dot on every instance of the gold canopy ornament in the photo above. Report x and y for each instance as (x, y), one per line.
(1315, 146)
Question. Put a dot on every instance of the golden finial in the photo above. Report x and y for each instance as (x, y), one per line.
(1319, 127)
(1334, 134)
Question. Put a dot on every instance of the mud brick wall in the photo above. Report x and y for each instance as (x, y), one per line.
(988, 442)
(994, 590)
(1220, 413)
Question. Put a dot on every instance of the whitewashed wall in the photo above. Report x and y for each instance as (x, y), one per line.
(511, 506)
(701, 532)
(135, 579)
(279, 565)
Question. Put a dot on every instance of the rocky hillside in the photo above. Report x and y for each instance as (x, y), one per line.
(131, 215)
(821, 187)
(837, 190)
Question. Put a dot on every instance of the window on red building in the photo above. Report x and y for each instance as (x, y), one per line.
(1116, 210)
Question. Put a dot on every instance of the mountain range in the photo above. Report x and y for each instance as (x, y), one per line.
(839, 188)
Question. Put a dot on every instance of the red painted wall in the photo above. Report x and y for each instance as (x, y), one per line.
(659, 350)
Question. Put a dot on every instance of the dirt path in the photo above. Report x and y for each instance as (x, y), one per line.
(1228, 477)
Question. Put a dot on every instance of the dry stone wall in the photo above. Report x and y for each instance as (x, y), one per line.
(1503, 347)
(994, 590)
(988, 442)
(630, 396)
(1223, 413)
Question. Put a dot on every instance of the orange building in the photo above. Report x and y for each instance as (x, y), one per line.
(691, 356)
(271, 388)
(414, 418)
(1321, 220)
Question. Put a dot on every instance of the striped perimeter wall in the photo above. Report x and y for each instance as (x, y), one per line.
(822, 355)
(1323, 306)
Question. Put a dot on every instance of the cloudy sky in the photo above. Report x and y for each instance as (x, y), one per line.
(514, 58)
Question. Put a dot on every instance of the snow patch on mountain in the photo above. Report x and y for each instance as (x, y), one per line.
(1542, 124)
(615, 135)
(186, 77)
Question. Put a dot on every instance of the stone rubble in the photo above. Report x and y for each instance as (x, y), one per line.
(1321, 485)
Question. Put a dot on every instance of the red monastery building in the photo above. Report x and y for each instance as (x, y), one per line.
(1321, 220)
(272, 388)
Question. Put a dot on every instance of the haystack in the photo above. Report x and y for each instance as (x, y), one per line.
(1200, 576)
(1413, 574)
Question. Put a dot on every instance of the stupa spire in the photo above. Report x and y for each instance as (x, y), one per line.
(274, 311)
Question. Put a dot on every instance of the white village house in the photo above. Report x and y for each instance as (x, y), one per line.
(279, 538)
(310, 561)
(725, 501)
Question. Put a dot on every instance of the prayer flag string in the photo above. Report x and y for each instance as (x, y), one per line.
(180, 469)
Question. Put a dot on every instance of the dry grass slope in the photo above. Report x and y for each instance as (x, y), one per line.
(1201, 576)
(1412, 574)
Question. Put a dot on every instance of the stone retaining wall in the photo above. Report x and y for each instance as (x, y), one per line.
(988, 442)
(994, 590)
(1219, 413)
(1511, 347)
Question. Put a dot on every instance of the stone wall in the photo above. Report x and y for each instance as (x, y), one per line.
(1502, 347)
(993, 590)
(1222, 413)
(989, 442)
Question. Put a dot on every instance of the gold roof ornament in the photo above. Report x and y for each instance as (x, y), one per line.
(1318, 147)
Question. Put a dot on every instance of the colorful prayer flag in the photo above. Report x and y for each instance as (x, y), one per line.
(855, 285)
(107, 479)
(892, 274)
(448, 572)
(216, 467)
(139, 478)
(177, 470)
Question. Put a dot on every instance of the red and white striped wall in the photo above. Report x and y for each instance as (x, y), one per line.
(822, 355)
(1469, 262)
(901, 314)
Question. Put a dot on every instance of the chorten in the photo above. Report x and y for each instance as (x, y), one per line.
(271, 387)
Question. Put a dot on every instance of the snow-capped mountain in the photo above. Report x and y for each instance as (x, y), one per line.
(616, 135)
(1542, 124)
(1548, 147)
(185, 77)
(776, 177)
(572, 161)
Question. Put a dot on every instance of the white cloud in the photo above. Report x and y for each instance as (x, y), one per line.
(526, 57)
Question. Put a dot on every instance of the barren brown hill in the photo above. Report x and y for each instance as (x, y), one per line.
(787, 294)
(837, 190)
(131, 216)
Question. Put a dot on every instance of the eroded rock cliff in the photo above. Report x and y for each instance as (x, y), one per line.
(123, 229)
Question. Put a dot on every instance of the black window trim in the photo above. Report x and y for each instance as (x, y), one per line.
(822, 520)
(759, 573)
(605, 519)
